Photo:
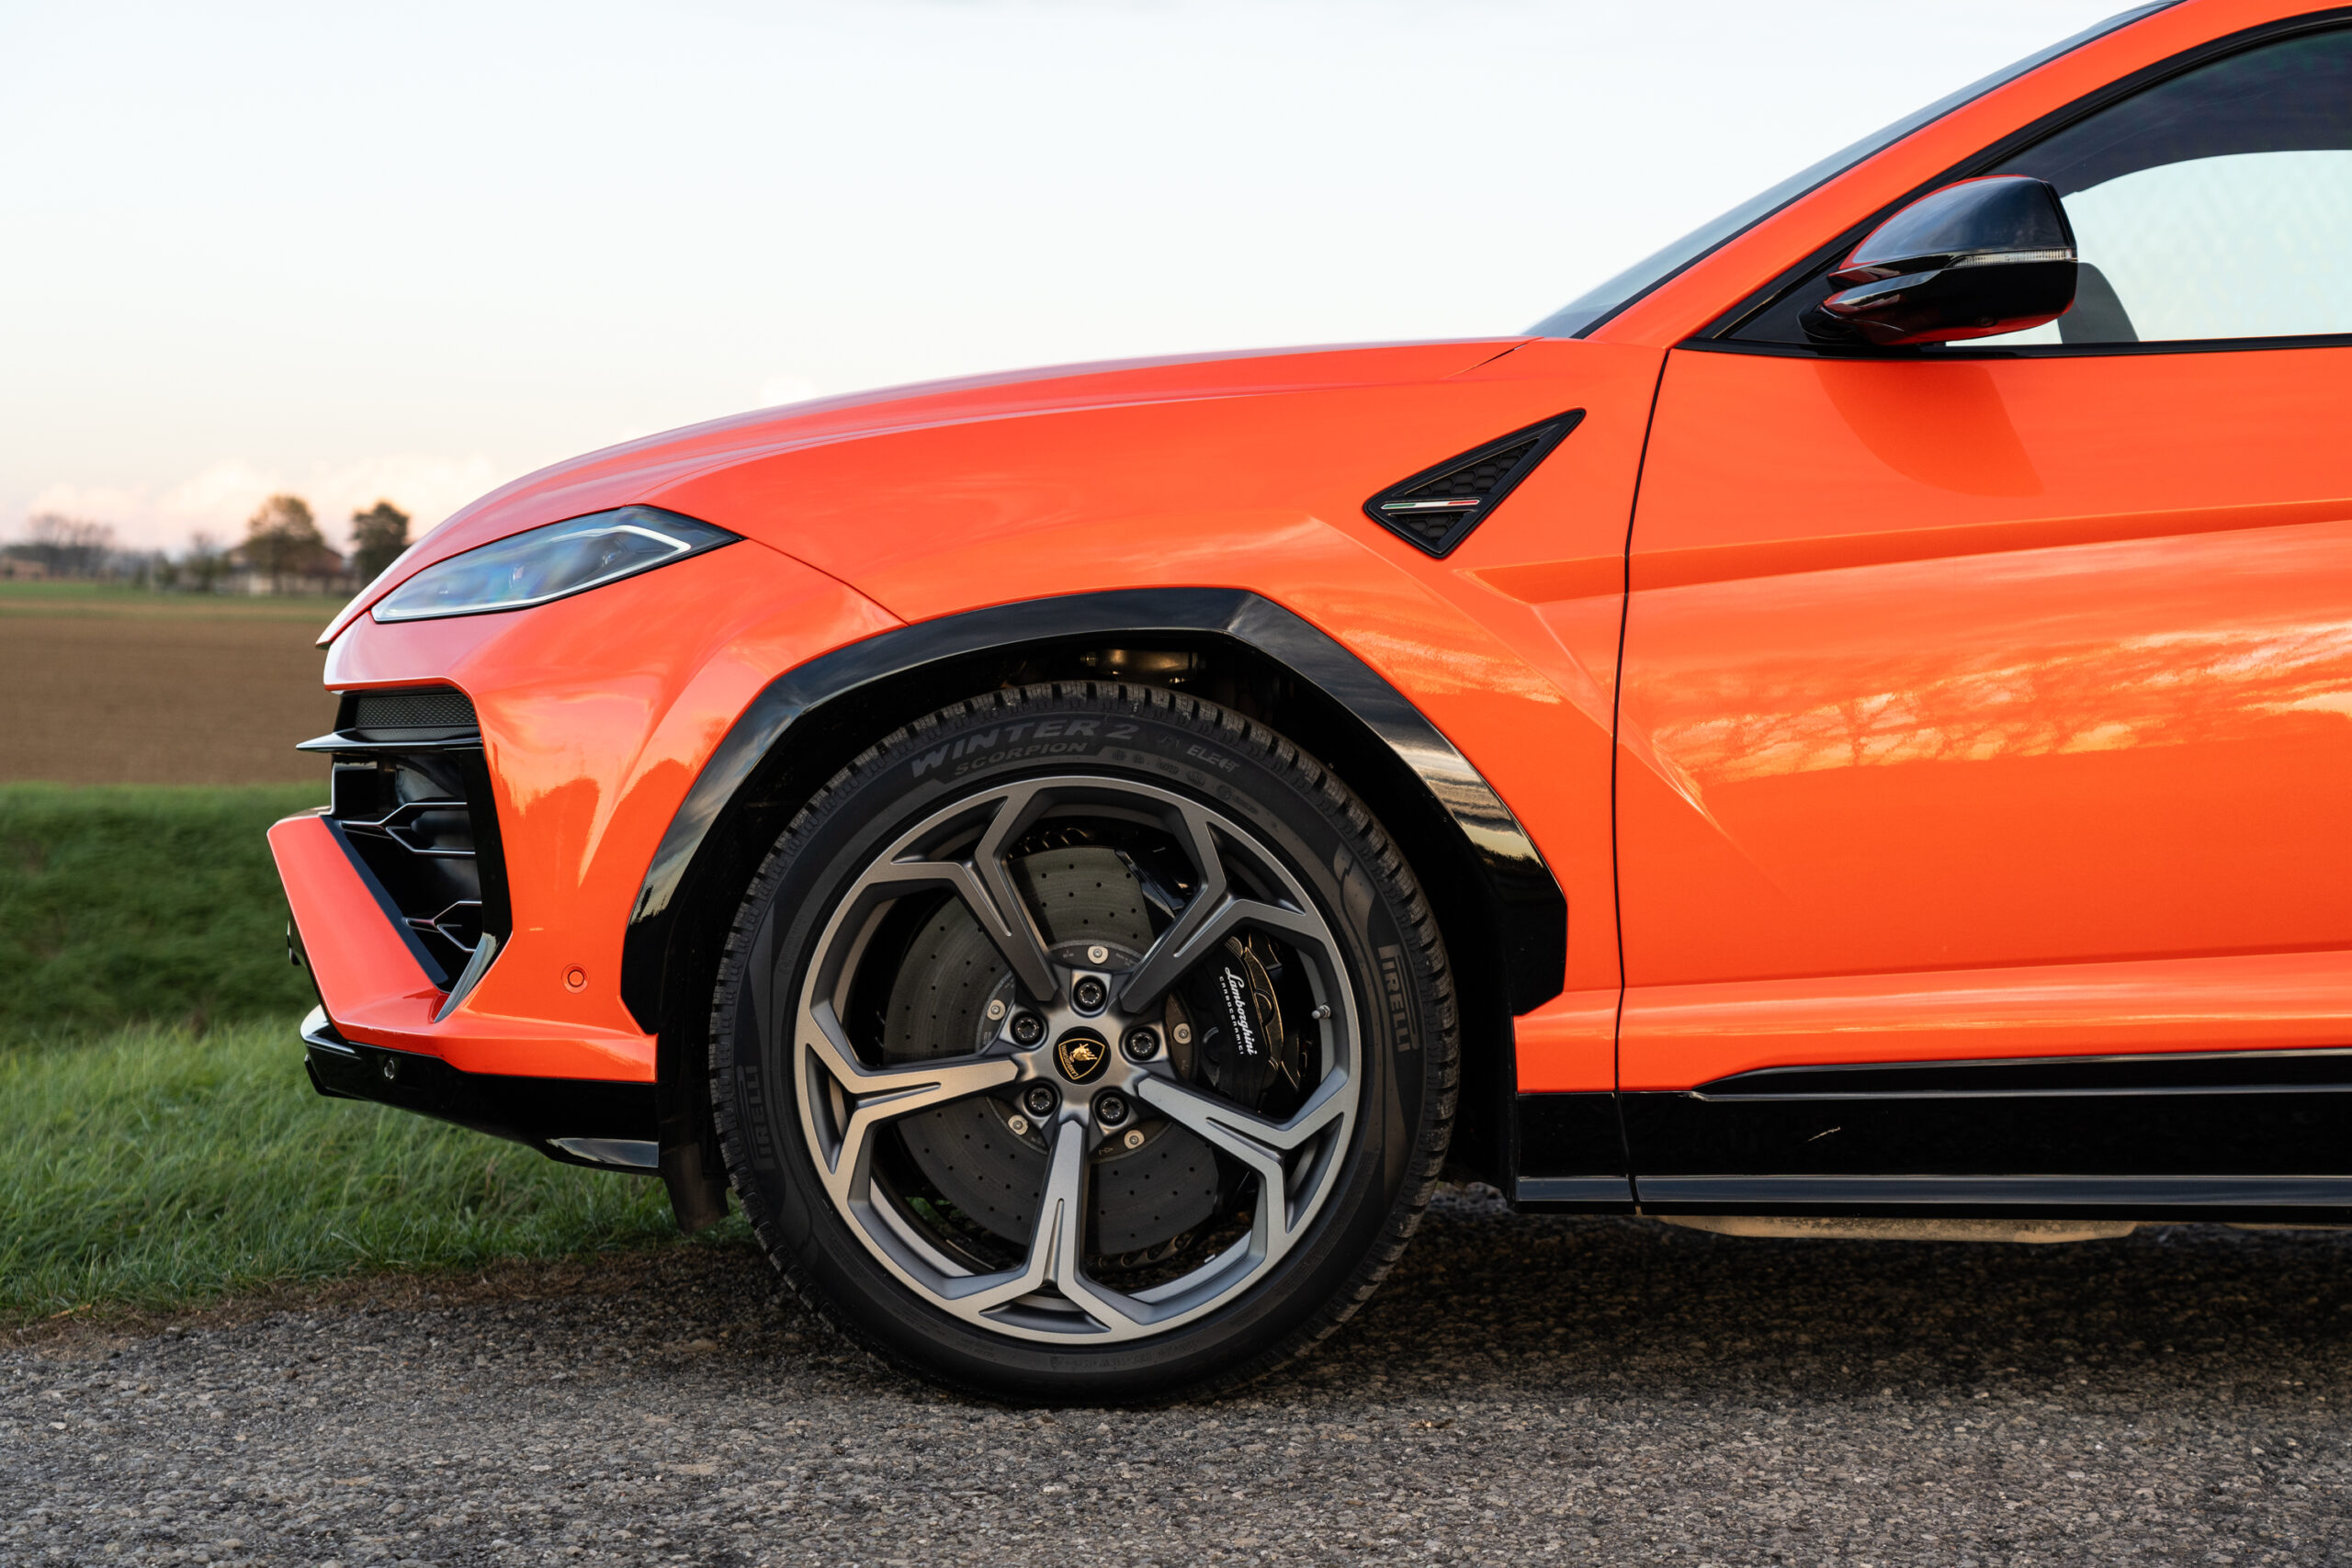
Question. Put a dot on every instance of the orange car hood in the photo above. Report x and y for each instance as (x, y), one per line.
(659, 469)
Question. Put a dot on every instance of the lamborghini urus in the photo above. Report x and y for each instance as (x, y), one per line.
(1845, 727)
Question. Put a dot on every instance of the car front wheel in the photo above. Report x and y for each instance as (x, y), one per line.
(1084, 1043)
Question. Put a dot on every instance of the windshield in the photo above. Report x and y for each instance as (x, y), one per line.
(1588, 310)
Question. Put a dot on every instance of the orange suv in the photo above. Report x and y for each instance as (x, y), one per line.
(1846, 727)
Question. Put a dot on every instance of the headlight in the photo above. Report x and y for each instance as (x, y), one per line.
(550, 562)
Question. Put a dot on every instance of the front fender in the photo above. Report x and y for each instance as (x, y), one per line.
(1526, 913)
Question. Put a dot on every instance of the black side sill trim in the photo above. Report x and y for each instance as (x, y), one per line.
(2325, 1069)
(1566, 1135)
(1574, 1194)
(542, 1113)
(2025, 351)
(1534, 926)
(2123, 1196)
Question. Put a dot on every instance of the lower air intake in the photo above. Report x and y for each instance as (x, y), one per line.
(412, 799)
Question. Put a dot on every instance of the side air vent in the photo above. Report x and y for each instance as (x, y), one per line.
(1436, 509)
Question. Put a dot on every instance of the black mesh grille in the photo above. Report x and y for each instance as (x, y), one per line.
(1436, 508)
(423, 821)
(1429, 532)
(1476, 479)
(435, 708)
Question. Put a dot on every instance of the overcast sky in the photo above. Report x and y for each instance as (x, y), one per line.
(412, 251)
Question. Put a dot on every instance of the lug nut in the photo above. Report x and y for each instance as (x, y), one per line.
(1111, 1110)
(1027, 1029)
(1142, 1042)
(1039, 1099)
(1089, 994)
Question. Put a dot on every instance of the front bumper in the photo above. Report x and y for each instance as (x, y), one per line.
(582, 1122)
(595, 713)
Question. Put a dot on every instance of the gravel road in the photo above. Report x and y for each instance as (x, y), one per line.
(1523, 1391)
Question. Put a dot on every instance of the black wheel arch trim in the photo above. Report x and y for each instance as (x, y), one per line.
(1530, 912)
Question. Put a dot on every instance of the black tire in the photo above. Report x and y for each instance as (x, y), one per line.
(1376, 1176)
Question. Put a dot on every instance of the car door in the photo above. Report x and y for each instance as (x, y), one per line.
(1985, 749)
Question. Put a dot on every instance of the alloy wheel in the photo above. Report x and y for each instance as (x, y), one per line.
(1078, 1058)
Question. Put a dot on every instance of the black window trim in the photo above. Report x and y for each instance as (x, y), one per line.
(1715, 337)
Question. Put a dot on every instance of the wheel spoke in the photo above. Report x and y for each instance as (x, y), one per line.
(1259, 1144)
(1056, 1244)
(1208, 896)
(1186, 943)
(880, 1095)
(1002, 918)
(1064, 1175)
(1243, 1133)
(1011, 914)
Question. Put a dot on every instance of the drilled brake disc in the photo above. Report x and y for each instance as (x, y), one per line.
(967, 1149)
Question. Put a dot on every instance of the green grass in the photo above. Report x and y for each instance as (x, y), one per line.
(128, 904)
(79, 598)
(159, 1141)
(159, 1169)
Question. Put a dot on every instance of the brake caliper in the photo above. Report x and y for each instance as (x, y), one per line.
(1242, 1047)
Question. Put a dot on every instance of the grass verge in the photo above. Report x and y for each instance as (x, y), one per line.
(126, 904)
(116, 599)
(159, 1169)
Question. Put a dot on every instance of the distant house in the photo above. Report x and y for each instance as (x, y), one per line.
(15, 569)
(325, 572)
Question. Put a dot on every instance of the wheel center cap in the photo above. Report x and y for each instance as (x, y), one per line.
(1081, 1054)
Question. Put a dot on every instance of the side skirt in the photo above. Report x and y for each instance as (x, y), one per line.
(2306, 1200)
(1570, 1156)
(2192, 1135)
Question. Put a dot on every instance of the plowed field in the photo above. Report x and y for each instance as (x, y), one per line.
(121, 687)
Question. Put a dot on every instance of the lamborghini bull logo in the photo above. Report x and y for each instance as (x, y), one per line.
(1081, 1054)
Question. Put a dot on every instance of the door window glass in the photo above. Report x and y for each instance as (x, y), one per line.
(2215, 205)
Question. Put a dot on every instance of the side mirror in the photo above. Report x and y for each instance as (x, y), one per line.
(1972, 260)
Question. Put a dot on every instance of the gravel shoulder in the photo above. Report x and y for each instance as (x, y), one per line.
(1523, 1390)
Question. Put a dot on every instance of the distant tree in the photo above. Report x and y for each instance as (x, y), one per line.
(283, 540)
(66, 546)
(204, 562)
(377, 536)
